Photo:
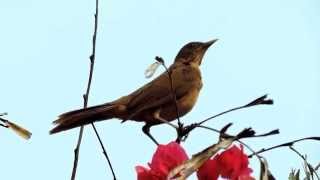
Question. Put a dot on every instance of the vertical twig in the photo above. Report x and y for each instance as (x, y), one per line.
(85, 104)
(174, 97)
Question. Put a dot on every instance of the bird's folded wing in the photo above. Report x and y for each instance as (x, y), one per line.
(157, 92)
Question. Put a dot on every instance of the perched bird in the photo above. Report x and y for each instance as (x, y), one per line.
(154, 102)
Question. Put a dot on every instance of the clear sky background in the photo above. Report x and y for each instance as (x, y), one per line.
(265, 47)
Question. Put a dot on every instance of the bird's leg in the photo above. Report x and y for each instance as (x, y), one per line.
(157, 116)
(146, 131)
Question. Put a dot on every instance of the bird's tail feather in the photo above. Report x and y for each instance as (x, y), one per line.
(82, 117)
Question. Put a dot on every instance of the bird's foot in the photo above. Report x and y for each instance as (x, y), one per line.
(146, 131)
(183, 131)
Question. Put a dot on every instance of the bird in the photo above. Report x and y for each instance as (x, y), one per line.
(154, 102)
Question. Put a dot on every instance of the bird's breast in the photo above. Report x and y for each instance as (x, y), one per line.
(192, 75)
(185, 105)
(187, 102)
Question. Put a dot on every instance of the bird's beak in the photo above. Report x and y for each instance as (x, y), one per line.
(209, 43)
(205, 46)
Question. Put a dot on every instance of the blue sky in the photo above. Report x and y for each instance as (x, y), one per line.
(265, 47)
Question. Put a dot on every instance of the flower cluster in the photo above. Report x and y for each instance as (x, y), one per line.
(164, 159)
(231, 164)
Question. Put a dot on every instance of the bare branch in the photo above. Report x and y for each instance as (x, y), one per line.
(184, 170)
(174, 97)
(309, 166)
(85, 103)
(184, 131)
(259, 101)
(287, 144)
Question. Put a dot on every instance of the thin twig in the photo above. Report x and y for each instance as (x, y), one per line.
(310, 167)
(104, 151)
(209, 128)
(273, 132)
(264, 172)
(222, 113)
(287, 144)
(173, 93)
(258, 101)
(317, 167)
(174, 96)
(251, 149)
(85, 103)
(184, 170)
(4, 121)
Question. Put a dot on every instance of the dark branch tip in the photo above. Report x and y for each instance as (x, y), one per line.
(225, 128)
(159, 59)
(261, 100)
(3, 120)
(273, 132)
(248, 132)
(315, 138)
(184, 131)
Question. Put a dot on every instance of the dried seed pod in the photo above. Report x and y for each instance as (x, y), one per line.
(19, 130)
(151, 69)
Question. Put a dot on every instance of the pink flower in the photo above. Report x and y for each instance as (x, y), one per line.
(147, 174)
(209, 170)
(231, 164)
(164, 159)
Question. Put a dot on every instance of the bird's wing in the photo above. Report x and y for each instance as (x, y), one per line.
(158, 91)
(153, 92)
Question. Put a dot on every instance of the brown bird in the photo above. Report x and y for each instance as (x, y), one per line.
(153, 103)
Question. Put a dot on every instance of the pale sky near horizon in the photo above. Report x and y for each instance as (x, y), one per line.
(264, 47)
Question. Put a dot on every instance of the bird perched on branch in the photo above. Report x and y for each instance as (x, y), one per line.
(154, 102)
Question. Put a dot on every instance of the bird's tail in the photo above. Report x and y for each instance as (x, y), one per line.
(82, 117)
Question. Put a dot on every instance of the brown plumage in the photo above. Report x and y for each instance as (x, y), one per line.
(152, 103)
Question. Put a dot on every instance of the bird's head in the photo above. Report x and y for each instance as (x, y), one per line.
(193, 52)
